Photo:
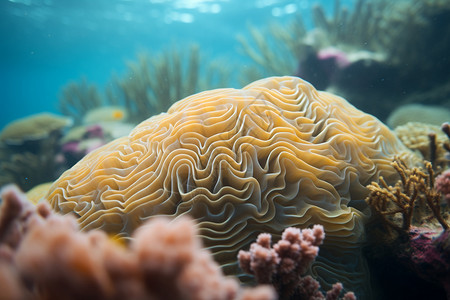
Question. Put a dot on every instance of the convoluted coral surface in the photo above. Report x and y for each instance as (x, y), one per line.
(274, 154)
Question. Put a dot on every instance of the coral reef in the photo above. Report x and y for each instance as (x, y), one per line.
(429, 256)
(28, 169)
(34, 127)
(413, 193)
(382, 44)
(284, 264)
(427, 139)
(37, 149)
(279, 49)
(44, 256)
(276, 153)
(417, 246)
(28, 150)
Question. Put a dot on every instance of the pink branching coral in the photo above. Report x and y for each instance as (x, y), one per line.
(284, 263)
(45, 256)
(442, 185)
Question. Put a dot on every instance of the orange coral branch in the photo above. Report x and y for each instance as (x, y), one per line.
(414, 185)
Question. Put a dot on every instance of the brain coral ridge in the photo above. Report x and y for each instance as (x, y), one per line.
(273, 154)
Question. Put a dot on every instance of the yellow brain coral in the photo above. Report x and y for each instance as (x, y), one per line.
(276, 153)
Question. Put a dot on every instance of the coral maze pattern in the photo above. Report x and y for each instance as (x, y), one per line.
(274, 154)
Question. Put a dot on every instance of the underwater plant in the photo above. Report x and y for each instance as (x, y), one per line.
(149, 86)
(77, 98)
(280, 48)
(153, 83)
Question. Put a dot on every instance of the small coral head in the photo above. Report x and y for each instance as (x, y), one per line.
(118, 114)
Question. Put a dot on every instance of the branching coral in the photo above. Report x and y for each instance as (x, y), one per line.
(415, 188)
(284, 264)
(418, 247)
(44, 256)
(274, 154)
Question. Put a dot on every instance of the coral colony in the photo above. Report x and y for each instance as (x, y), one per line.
(274, 154)
(410, 239)
(45, 256)
(276, 190)
(284, 264)
(277, 156)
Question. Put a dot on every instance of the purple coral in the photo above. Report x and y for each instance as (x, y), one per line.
(284, 264)
(442, 185)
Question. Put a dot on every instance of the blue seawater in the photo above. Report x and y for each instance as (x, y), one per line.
(47, 43)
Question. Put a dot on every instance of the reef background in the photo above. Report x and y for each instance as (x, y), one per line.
(103, 67)
(46, 43)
